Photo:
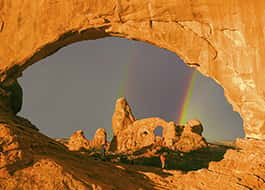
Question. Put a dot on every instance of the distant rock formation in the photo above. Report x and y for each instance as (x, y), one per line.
(131, 134)
(170, 134)
(194, 126)
(100, 138)
(122, 116)
(78, 141)
(30, 160)
(191, 137)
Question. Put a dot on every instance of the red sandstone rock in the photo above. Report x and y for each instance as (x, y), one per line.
(135, 134)
(191, 137)
(213, 37)
(222, 39)
(194, 126)
(122, 116)
(189, 142)
(100, 138)
(30, 160)
(170, 136)
(78, 141)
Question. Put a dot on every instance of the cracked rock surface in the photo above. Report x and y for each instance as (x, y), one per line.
(30, 160)
(223, 39)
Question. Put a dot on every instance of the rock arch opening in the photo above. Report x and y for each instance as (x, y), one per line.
(213, 37)
(134, 61)
(158, 131)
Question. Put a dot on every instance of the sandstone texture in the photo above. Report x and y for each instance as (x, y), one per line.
(132, 135)
(30, 160)
(191, 137)
(100, 138)
(122, 116)
(223, 39)
(78, 142)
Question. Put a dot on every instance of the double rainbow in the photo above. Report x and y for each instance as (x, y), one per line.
(186, 98)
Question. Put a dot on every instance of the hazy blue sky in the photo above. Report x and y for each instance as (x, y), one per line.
(76, 88)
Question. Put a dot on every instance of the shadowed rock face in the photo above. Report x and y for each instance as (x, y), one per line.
(11, 98)
(191, 137)
(194, 126)
(223, 39)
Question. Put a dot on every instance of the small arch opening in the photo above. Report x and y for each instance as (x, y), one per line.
(145, 133)
(158, 131)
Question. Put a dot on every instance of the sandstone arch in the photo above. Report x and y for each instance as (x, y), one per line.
(140, 134)
(148, 125)
(213, 37)
(219, 38)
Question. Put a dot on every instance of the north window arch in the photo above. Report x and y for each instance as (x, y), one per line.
(145, 74)
(176, 31)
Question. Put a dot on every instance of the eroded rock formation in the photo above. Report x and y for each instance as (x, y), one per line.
(213, 37)
(134, 134)
(78, 141)
(222, 39)
(122, 116)
(191, 137)
(30, 160)
(100, 138)
(194, 126)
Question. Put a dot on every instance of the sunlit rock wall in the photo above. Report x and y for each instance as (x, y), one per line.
(223, 39)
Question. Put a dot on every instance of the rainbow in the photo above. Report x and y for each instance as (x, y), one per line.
(181, 117)
(126, 73)
(185, 103)
(123, 85)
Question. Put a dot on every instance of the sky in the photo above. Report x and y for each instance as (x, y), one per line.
(76, 88)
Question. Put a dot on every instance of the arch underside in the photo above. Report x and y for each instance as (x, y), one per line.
(214, 37)
(205, 36)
